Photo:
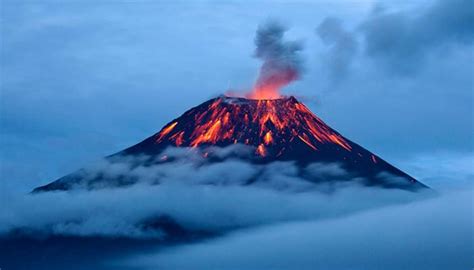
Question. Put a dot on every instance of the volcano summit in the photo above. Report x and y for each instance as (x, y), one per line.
(275, 130)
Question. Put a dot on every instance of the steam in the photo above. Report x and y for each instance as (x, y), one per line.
(281, 60)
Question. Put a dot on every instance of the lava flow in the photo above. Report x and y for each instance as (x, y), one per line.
(269, 125)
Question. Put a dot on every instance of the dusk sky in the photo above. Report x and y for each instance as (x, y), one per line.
(81, 80)
(84, 80)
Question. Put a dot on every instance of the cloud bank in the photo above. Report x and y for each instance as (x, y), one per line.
(121, 198)
(220, 166)
(429, 234)
(123, 212)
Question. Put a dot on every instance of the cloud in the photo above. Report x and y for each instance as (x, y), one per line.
(429, 234)
(220, 166)
(122, 212)
(342, 47)
(402, 39)
(120, 197)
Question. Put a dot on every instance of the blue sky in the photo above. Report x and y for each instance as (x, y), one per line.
(81, 80)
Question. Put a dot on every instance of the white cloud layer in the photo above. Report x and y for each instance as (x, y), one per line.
(122, 195)
(430, 234)
(211, 208)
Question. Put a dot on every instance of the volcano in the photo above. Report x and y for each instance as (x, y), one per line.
(276, 130)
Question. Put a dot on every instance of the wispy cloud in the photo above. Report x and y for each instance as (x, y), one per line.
(119, 198)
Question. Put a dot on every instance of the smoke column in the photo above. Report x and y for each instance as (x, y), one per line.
(281, 61)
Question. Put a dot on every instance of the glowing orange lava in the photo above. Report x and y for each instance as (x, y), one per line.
(166, 130)
(305, 139)
(268, 138)
(261, 150)
(374, 159)
(268, 125)
(264, 92)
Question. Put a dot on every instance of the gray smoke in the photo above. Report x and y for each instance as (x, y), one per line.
(402, 40)
(342, 47)
(282, 63)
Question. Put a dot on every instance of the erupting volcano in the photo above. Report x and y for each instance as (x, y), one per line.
(275, 128)
(281, 129)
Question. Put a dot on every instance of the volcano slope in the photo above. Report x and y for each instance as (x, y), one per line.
(276, 130)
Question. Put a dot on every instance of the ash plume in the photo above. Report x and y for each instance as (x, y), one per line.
(281, 60)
